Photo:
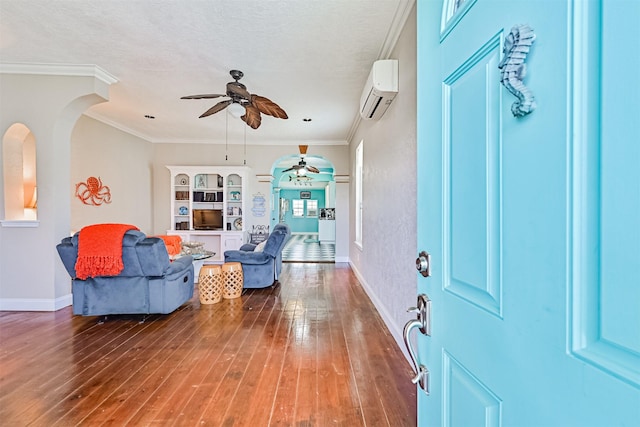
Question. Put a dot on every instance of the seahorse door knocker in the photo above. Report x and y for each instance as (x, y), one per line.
(514, 69)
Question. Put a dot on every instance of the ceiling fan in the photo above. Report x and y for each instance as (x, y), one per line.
(252, 105)
(302, 167)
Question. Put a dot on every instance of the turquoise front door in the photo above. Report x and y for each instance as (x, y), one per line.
(530, 213)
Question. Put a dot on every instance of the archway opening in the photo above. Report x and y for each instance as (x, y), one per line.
(305, 201)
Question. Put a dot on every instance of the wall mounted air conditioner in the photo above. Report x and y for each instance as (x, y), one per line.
(380, 89)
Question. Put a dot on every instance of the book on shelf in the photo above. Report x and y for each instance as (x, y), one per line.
(182, 195)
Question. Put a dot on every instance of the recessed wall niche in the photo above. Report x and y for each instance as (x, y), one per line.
(19, 168)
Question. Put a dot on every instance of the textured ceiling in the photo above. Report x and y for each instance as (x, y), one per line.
(311, 57)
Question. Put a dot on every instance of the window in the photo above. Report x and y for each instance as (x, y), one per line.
(312, 208)
(298, 208)
(358, 201)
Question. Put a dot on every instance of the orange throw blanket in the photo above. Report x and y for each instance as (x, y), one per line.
(173, 244)
(100, 250)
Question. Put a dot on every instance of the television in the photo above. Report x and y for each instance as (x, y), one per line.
(207, 219)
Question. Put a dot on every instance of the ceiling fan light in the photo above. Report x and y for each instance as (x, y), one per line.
(236, 110)
(301, 172)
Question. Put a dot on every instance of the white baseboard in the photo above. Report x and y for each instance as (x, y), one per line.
(35, 304)
(396, 333)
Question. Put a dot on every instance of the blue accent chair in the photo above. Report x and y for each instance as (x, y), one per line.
(261, 268)
(149, 282)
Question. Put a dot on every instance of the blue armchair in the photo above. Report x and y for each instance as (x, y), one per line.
(149, 282)
(261, 268)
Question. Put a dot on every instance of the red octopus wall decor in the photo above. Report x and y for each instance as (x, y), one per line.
(93, 192)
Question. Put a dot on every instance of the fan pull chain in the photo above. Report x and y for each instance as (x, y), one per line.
(245, 145)
(226, 137)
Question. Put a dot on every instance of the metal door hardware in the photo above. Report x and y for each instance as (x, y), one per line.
(422, 373)
(423, 316)
(423, 323)
(423, 264)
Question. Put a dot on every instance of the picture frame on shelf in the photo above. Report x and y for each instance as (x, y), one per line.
(201, 181)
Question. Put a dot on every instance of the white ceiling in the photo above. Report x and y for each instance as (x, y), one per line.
(311, 57)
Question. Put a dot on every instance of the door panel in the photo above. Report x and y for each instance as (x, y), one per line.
(467, 401)
(605, 184)
(532, 223)
(471, 171)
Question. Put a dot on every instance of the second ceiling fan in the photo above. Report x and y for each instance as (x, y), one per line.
(253, 104)
(302, 167)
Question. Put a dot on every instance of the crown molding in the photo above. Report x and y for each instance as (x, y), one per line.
(79, 70)
(218, 141)
(119, 126)
(397, 25)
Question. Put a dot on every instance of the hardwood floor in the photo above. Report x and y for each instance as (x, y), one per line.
(311, 351)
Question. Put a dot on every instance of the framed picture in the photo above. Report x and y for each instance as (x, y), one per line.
(305, 194)
(201, 181)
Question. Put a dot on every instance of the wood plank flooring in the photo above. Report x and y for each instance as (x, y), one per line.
(311, 351)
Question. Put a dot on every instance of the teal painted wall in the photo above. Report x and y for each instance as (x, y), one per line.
(302, 225)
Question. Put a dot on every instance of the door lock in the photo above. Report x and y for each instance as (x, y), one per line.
(423, 264)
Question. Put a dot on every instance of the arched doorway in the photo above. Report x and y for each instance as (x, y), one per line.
(306, 202)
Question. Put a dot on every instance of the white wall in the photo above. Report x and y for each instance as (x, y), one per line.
(343, 221)
(123, 162)
(31, 274)
(386, 263)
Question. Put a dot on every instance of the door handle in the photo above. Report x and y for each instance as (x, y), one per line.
(423, 323)
(422, 373)
(423, 311)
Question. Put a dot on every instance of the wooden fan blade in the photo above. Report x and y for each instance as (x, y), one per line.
(203, 96)
(218, 107)
(233, 89)
(312, 169)
(267, 106)
(293, 168)
(252, 117)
